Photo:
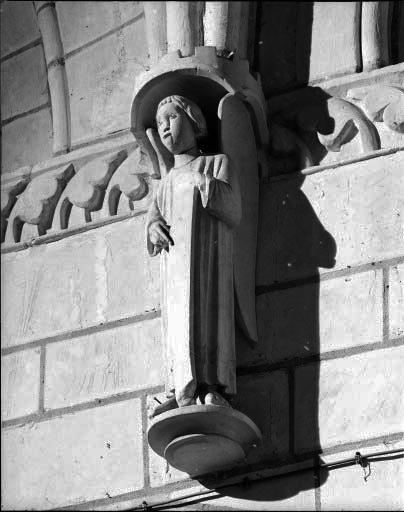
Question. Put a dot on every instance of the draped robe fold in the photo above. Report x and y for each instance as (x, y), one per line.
(197, 289)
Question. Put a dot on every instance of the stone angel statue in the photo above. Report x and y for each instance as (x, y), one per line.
(195, 224)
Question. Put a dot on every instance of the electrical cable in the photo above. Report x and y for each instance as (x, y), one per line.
(362, 460)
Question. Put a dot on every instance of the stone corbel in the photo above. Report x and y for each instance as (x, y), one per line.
(33, 212)
(93, 189)
(9, 197)
(85, 193)
(128, 184)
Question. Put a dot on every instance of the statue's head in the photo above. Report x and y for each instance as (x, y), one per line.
(180, 123)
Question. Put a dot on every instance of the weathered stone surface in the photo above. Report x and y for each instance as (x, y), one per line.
(328, 222)
(316, 318)
(382, 103)
(90, 278)
(9, 195)
(160, 471)
(376, 19)
(19, 384)
(99, 98)
(265, 400)
(132, 277)
(294, 492)
(37, 204)
(335, 43)
(26, 140)
(85, 192)
(276, 23)
(396, 301)
(78, 457)
(23, 83)
(18, 26)
(102, 364)
(346, 395)
(383, 489)
(84, 22)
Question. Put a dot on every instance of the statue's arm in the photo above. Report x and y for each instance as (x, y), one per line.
(220, 191)
(157, 230)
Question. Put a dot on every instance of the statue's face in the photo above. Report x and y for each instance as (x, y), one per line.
(175, 129)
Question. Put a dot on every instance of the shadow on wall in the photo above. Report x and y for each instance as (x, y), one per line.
(282, 54)
(292, 246)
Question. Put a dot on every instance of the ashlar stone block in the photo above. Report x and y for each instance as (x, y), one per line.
(354, 398)
(20, 383)
(335, 43)
(27, 140)
(24, 82)
(81, 23)
(396, 301)
(100, 97)
(19, 26)
(80, 281)
(315, 318)
(294, 492)
(382, 490)
(325, 221)
(106, 363)
(265, 400)
(91, 454)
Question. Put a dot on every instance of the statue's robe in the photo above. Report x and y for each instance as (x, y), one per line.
(197, 288)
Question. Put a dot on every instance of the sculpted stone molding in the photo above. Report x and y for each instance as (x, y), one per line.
(36, 205)
(9, 197)
(129, 183)
(86, 191)
(381, 103)
(74, 195)
(328, 129)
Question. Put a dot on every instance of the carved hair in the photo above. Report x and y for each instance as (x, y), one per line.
(191, 109)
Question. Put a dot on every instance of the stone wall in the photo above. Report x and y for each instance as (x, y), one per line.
(82, 355)
(81, 348)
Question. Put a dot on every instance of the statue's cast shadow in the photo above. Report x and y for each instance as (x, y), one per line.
(292, 246)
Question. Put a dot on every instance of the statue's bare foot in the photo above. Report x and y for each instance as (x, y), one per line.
(214, 398)
(169, 404)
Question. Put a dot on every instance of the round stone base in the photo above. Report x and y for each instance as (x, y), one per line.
(200, 439)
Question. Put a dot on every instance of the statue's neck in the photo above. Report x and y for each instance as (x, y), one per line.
(186, 157)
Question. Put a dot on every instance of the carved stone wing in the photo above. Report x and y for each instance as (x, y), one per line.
(238, 143)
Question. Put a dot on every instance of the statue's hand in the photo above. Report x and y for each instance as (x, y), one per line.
(159, 235)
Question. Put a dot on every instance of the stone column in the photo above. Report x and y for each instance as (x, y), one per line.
(184, 26)
(375, 34)
(156, 29)
(225, 26)
(54, 56)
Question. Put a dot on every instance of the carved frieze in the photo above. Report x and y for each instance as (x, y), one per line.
(333, 128)
(73, 195)
(36, 205)
(9, 196)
